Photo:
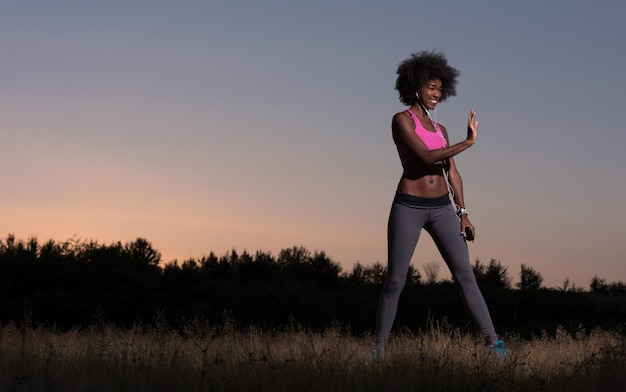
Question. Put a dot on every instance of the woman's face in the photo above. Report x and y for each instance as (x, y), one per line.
(430, 93)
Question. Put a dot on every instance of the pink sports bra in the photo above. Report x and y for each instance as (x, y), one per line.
(433, 140)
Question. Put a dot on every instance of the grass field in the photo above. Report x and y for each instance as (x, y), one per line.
(201, 357)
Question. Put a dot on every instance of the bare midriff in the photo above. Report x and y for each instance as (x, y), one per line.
(421, 180)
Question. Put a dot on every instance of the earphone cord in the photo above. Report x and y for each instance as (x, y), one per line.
(450, 190)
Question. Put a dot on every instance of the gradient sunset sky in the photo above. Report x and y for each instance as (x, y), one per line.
(206, 126)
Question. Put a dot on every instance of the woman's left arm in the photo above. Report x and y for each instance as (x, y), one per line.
(456, 183)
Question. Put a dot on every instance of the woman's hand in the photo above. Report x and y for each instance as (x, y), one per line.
(465, 223)
(472, 127)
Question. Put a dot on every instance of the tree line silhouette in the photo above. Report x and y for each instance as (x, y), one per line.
(74, 283)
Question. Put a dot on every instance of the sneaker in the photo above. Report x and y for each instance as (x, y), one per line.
(497, 349)
(377, 353)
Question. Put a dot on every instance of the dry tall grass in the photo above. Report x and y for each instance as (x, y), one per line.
(209, 358)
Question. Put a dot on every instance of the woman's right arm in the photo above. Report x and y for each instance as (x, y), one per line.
(403, 130)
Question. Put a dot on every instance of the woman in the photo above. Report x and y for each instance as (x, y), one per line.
(422, 198)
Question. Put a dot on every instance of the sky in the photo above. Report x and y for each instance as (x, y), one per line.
(208, 126)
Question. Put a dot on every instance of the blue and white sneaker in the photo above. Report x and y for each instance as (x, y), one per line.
(497, 349)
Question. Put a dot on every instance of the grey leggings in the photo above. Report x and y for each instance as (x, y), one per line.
(409, 214)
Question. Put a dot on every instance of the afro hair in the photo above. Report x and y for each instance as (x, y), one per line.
(419, 69)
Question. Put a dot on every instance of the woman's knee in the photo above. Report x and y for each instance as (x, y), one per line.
(394, 284)
(465, 277)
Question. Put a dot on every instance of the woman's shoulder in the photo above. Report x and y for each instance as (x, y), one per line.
(402, 117)
(403, 113)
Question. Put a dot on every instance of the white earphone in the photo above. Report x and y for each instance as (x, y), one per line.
(417, 94)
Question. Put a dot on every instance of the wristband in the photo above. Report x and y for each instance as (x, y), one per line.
(462, 211)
